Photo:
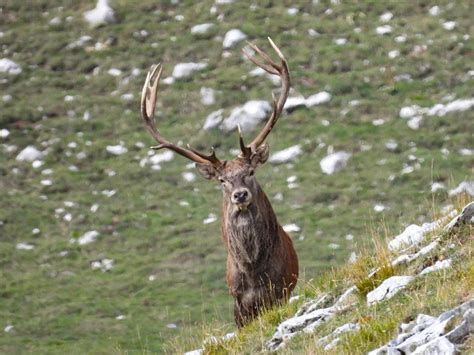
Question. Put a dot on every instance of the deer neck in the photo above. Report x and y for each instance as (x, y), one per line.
(251, 234)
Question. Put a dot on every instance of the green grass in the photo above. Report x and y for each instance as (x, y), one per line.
(59, 304)
(430, 294)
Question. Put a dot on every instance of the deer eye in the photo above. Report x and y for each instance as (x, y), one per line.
(221, 180)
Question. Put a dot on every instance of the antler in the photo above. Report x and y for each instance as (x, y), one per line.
(148, 104)
(276, 69)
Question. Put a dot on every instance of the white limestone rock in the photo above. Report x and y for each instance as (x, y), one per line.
(213, 120)
(453, 106)
(9, 66)
(384, 29)
(412, 235)
(195, 352)
(202, 28)
(439, 265)
(24, 246)
(463, 187)
(185, 70)
(409, 111)
(4, 133)
(88, 237)
(294, 102)
(30, 153)
(208, 96)
(318, 99)
(233, 37)
(103, 265)
(116, 149)
(102, 14)
(334, 162)
(307, 322)
(389, 288)
(211, 218)
(289, 228)
(286, 155)
(437, 346)
(247, 116)
(275, 79)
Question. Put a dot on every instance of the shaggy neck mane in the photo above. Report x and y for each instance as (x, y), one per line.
(250, 234)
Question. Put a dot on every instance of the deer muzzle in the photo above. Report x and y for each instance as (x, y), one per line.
(241, 198)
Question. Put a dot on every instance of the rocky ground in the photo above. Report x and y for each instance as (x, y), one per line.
(121, 244)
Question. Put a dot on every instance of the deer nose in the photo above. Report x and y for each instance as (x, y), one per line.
(241, 195)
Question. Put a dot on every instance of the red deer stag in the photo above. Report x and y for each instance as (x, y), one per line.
(262, 266)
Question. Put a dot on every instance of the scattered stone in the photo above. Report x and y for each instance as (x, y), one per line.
(195, 352)
(30, 153)
(213, 120)
(449, 25)
(275, 79)
(440, 345)
(9, 66)
(24, 246)
(211, 218)
(385, 17)
(103, 265)
(8, 328)
(189, 176)
(379, 208)
(436, 186)
(4, 133)
(430, 335)
(340, 41)
(79, 42)
(102, 14)
(289, 228)
(202, 28)
(307, 322)
(318, 99)
(233, 37)
(466, 215)
(383, 30)
(434, 11)
(439, 265)
(389, 288)
(116, 149)
(331, 340)
(334, 162)
(415, 122)
(207, 96)
(88, 237)
(286, 155)
(464, 187)
(247, 116)
(391, 145)
(294, 102)
(185, 70)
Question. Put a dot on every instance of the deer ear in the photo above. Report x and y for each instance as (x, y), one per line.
(260, 156)
(207, 170)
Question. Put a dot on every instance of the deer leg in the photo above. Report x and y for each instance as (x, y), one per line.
(238, 316)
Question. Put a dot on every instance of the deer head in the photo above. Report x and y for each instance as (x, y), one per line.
(237, 176)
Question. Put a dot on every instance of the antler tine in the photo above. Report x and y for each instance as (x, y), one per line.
(148, 105)
(246, 152)
(212, 158)
(276, 69)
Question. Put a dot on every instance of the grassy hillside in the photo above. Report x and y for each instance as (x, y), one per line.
(350, 286)
(168, 269)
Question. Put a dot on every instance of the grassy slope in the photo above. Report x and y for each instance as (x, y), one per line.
(431, 294)
(59, 304)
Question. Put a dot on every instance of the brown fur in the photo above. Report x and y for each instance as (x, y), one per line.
(262, 266)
